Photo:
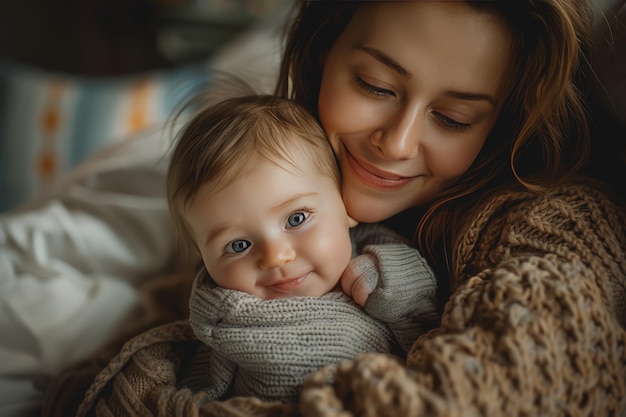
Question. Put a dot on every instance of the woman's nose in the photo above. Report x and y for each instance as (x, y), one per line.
(400, 137)
(276, 253)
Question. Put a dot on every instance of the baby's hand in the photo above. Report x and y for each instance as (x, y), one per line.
(360, 278)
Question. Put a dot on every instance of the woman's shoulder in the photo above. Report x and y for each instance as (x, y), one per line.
(573, 218)
(581, 204)
(580, 196)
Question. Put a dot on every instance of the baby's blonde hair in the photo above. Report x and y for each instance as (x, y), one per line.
(226, 134)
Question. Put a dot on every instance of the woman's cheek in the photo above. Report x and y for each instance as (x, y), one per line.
(329, 105)
(450, 162)
(337, 97)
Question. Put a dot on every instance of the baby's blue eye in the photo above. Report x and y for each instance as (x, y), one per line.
(238, 246)
(296, 219)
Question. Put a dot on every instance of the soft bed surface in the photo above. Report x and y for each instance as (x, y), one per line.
(71, 258)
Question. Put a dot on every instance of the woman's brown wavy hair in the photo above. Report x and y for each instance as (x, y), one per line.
(541, 136)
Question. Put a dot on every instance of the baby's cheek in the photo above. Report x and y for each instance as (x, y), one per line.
(334, 252)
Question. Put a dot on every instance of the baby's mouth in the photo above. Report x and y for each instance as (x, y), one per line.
(290, 283)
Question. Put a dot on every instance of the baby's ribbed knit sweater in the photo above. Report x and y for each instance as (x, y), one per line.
(265, 348)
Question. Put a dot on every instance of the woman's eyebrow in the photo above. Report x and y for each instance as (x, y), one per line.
(385, 59)
(471, 96)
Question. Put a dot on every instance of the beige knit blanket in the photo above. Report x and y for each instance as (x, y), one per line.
(535, 327)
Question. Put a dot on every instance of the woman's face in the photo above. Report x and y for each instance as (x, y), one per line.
(409, 93)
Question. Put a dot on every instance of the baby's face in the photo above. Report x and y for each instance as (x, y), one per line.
(274, 232)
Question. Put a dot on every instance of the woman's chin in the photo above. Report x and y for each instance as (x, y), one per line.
(368, 211)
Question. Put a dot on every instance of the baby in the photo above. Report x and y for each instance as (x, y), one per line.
(253, 189)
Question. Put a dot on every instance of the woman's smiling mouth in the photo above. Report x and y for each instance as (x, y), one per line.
(374, 177)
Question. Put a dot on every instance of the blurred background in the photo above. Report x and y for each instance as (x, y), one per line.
(76, 75)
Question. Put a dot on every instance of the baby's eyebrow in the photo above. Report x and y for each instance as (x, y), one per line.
(216, 232)
(291, 200)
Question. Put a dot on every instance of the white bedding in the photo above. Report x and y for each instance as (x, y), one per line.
(69, 259)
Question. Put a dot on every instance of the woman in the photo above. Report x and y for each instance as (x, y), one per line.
(464, 118)
(461, 125)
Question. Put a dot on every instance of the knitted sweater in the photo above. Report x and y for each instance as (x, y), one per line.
(535, 326)
(265, 348)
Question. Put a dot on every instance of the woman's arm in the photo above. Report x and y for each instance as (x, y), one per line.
(535, 331)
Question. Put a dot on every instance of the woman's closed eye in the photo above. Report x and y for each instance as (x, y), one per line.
(374, 90)
(445, 121)
(449, 123)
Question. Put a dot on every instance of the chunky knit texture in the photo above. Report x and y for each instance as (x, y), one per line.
(534, 327)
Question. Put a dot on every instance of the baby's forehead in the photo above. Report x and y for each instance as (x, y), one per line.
(296, 164)
(293, 165)
(297, 161)
(278, 180)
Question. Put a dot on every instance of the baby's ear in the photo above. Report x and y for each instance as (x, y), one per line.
(351, 222)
